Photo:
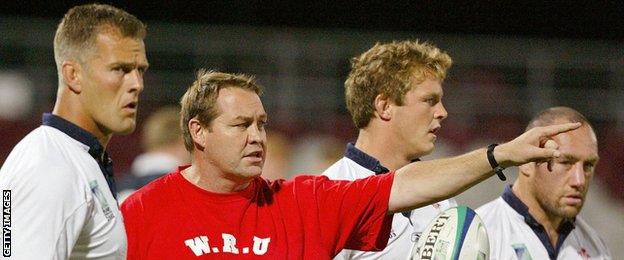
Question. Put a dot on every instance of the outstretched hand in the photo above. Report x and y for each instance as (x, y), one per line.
(532, 146)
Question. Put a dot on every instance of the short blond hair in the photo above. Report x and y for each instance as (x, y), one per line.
(200, 98)
(76, 33)
(388, 69)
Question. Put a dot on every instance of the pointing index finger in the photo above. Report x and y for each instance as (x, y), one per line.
(560, 128)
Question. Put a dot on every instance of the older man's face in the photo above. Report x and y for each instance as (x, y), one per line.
(236, 139)
(561, 192)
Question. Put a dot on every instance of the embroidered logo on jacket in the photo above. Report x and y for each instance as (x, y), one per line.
(521, 252)
(95, 189)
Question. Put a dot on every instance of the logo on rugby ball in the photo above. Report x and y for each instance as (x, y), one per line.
(457, 233)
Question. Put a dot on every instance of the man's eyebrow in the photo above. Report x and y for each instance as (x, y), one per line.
(263, 117)
(567, 156)
(571, 157)
(244, 118)
(130, 64)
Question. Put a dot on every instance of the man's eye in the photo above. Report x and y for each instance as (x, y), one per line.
(122, 69)
(589, 167)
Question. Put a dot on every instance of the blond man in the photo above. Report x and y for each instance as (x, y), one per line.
(59, 178)
(394, 94)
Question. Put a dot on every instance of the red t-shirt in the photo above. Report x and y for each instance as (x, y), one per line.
(310, 217)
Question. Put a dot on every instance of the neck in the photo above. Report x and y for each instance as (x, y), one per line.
(210, 178)
(548, 221)
(70, 109)
(382, 146)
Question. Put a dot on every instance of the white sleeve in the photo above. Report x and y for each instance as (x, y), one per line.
(71, 231)
(49, 209)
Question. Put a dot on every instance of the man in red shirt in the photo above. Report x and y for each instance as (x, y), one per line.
(220, 207)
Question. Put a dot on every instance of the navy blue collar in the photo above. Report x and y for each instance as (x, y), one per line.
(96, 150)
(564, 229)
(365, 160)
(74, 132)
(374, 165)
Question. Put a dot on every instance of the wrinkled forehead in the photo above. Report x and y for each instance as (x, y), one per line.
(580, 143)
(238, 102)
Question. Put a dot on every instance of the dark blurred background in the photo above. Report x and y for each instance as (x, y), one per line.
(511, 60)
(544, 19)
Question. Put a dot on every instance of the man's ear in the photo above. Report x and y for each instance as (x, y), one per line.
(527, 169)
(383, 107)
(70, 70)
(197, 131)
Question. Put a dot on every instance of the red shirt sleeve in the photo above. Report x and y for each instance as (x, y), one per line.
(353, 214)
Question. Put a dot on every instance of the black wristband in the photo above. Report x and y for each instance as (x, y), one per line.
(497, 168)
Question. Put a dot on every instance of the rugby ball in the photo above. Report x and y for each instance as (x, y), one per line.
(457, 233)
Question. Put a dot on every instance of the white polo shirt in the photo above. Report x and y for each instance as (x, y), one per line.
(60, 203)
(406, 226)
(515, 234)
